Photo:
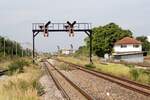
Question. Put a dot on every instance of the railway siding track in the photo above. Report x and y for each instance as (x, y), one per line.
(140, 88)
(2, 72)
(81, 91)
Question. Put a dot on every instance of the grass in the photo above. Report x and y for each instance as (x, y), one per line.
(114, 69)
(21, 86)
(90, 66)
(4, 63)
(76, 61)
(63, 66)
(140, 75)
(125, 71)
(17, 66)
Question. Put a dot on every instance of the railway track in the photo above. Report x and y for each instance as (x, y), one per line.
(65, 94)
(59, 87)
(2, 72)
(140, 88)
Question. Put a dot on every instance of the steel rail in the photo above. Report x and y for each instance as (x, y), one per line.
(59, 87)
(83, 92)
(3, 72)
(132, 85)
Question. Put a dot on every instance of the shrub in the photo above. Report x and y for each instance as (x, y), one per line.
(90, 66)
(17, 67)
(130, 65)
(147, 71)
(23, 85)
(149, 79)
(135, 73)
(66, 67)
(63, 66)
(38, 87)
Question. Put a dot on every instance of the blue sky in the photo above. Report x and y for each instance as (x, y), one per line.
(17, 16)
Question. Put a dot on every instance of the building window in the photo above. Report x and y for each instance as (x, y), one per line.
(135, 45)
(123, 46)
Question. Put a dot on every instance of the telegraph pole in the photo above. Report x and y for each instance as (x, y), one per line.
(4, 46)
(12, 50)
(16, 48)
(22, 52)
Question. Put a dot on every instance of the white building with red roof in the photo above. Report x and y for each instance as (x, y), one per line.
(148, 38)
(129, 50)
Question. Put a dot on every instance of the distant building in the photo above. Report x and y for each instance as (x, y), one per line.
(67, 51)
(129, 50)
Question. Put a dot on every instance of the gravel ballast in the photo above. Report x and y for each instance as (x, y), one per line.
(102, 89)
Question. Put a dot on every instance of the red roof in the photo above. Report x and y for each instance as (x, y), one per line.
(128, 40)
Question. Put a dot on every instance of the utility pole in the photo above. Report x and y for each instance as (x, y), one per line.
(25, 46)
(4, 46)
(12, 50)
(22, 52)
(16, 48)
(27, 52)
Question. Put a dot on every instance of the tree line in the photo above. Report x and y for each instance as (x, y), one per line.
(12, 48)
(104, 38)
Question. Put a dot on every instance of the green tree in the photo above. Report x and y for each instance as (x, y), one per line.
(145, 43)
(10, 47)
(83, 51)
(104, 38)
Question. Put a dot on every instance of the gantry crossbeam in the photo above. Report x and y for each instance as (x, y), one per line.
(62, 27)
